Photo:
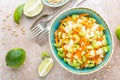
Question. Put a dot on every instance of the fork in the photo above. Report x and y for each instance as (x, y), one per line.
(42, 38)
(36, 30)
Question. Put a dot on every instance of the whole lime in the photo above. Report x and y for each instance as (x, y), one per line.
(15, 57)
(118, 32)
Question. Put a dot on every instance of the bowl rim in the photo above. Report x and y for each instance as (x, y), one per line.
(57, 5)
(112, 41)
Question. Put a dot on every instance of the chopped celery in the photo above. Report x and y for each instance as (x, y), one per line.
(106, 49)
(79, 61)
(84, 59)
(90, 61)
(74, 16)
(59, 34)
(94, 37)
(55, 44)
(99, 33)
(82, 33)
(64, 24)
(66, 41)
(45, 55)
(94, 44)
(75, 64)
(91, 65)
(60, 49)
(89, 47)
(96, 33)
(99, 51)
(92, 19)
(69, 36)
(74, 61)
(61, 54)
(86, 65)
(76, 46)
(68, 61)
(65, 59)
(69, 33)
(59, 44)
(104, 41)
(70, 50)
(77, 67)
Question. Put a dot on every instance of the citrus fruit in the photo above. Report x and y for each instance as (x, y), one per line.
(18, 13)
(32, 8)
(15, 57)
(45, 67)
(118, 32)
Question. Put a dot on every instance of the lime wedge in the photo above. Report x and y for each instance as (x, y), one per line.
(18, 13)
(118, 32)
(45, 67)
(33, 8)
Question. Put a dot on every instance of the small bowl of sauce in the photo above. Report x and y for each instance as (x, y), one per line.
(55, 3)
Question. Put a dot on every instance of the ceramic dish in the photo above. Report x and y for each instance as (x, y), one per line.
(107, 32)
(55, 5)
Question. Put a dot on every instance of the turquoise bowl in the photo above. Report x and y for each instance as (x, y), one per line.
(54, 5)
(100, 20)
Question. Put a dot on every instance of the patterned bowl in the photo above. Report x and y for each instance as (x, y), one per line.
(54, 5)
(100, 20)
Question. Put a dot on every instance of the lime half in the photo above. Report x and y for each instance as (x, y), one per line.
(15, 57)
(45, 67)
(33, 8)
(118, 32)
(18, 13)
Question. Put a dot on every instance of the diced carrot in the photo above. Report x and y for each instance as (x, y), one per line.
(101, 28)
(82, 66)
(87, 25)
(73, 38)
(98, 47)
(100, 39)
(76, 30)
(87, 55)
(61, 27)
(56, 37)
(88, 43)
(66, 19)
(84, 14)
(83, 39)
(83, 46)
(56, 40)
(84, 22)
(96, 59)
(72, 57)
(78, 53)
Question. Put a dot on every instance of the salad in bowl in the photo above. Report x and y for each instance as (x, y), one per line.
(81, 41)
